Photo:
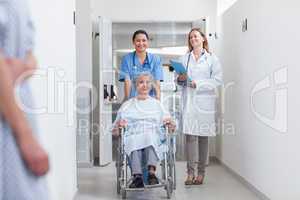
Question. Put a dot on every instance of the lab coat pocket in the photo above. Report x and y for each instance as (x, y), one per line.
(204, 104)
(200, 118)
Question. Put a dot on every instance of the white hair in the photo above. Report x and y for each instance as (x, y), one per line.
(144, 74)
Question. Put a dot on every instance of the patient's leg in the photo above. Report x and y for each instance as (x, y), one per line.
(152, 160)
(136, 168)
(151, 157)
(136, 162)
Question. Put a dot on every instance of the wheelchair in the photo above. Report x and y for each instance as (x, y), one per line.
(168, 168)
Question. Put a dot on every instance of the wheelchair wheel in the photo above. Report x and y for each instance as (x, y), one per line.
(169, 188)
(118, 166)
(173, 174)
(169, 177)
(172, 170)
(118, 179)
(163, 174)
(172, 167)
(174, 177)
(123, 193)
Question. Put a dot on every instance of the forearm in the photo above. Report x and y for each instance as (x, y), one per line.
(30, 65)
(8, 105)
(33, 155)
(127, 88)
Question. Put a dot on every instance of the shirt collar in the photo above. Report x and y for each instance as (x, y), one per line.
(202, 57)
(137, 62)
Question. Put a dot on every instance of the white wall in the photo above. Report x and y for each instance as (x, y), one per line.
(84, 40)
(224, 5)
(264, 156)
(84, 75)
(55, 48)
(156, 10)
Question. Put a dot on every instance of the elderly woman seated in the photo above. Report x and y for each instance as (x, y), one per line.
(143, 116)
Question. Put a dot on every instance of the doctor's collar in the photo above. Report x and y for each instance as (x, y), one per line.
(202, 52)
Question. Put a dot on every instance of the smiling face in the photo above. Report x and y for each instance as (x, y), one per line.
(143, 84)
(140, 42)
(195, 39)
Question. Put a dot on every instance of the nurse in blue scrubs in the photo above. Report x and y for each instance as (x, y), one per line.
(140, 61)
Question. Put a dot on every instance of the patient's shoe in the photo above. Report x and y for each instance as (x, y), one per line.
(137, 182)
(152, 179)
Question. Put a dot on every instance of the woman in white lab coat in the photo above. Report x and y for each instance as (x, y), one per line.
(204, 75)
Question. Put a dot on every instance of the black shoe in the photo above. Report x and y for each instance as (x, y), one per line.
(137, 182)
(152, 179)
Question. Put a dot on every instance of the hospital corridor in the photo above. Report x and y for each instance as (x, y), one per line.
(221, 184)
(163, 99)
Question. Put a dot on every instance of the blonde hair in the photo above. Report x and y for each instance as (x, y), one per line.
(205, 43)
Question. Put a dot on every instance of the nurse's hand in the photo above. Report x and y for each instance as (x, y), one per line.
(182, 77)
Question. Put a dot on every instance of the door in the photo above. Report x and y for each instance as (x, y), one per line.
(105, 81)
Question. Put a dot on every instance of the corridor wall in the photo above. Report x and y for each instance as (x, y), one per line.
(262, 103)
(54, 91)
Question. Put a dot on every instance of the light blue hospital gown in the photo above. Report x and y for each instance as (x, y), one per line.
(144, 119)
(16, 38)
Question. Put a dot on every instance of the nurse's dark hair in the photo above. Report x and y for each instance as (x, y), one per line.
(205, 43)
(140, 32)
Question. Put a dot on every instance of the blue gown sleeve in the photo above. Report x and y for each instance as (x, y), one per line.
(29, 42)
(3, 23)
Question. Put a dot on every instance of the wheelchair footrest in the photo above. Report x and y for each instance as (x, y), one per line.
(147, 187)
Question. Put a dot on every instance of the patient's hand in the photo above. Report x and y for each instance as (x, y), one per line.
(122, 123)
(119, 125)
(34, 155)
(22, 69)
(170, 124)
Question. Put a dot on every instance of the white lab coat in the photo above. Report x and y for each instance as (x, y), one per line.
(198, 105)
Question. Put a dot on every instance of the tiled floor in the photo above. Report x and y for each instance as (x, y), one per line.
(100, 184)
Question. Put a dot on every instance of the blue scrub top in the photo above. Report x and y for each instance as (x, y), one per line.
(131, 68)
